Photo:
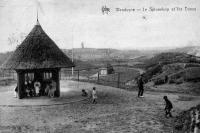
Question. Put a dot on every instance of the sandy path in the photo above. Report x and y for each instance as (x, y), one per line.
(117, 111)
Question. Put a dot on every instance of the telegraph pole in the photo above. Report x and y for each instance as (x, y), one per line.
(73, 49)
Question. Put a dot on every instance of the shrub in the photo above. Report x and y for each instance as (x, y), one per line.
(171, 81)
(159, 82)
(179, 81)
(152, 71)
(192, 74)
(187, 65)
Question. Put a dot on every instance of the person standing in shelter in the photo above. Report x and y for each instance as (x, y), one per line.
(31, 88)
(27, 89)
(37, 86)
(140, 83)
(47, 89)
(94, 95)
(52, 89)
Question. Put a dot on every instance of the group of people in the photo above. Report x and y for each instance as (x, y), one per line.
(35, 89)
(32, 89)
(168, 103)
(50, 89)
(140, 83)
(93, 95)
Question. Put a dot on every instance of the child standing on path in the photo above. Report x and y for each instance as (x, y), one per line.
(168, 107)
(94, 95)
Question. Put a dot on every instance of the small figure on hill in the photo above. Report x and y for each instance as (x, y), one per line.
(168, 107)
(84, 93)
(94, 95)
(140, 83)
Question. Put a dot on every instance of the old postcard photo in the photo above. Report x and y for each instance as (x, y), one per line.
(100, 66)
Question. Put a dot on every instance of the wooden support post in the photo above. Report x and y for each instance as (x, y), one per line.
(57, 79)
(118, 81)
(20, 84)
(60, 76)
(98, 77)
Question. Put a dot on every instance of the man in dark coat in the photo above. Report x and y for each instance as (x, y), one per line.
(168, 107)
(140, 83)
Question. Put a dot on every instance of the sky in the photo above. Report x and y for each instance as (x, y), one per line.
(71, 22)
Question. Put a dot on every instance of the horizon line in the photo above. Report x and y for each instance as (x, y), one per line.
(126, 49)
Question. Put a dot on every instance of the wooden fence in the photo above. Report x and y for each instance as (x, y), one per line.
(8, 74)
(114, 80)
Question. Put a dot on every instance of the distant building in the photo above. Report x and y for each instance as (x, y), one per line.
(82, 45)
(103, 71)
(108, 69)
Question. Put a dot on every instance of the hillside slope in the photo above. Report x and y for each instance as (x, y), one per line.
(192, 50)
(172, 64)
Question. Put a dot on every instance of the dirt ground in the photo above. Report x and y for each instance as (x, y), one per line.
(117, 111)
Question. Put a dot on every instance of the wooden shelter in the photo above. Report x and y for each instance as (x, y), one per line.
(37, 58)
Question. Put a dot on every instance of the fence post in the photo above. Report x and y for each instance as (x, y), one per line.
(118, 81)
(98, 77)
(78, 74)
(59, 72)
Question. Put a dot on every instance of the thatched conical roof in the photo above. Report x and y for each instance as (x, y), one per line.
(37, 51)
